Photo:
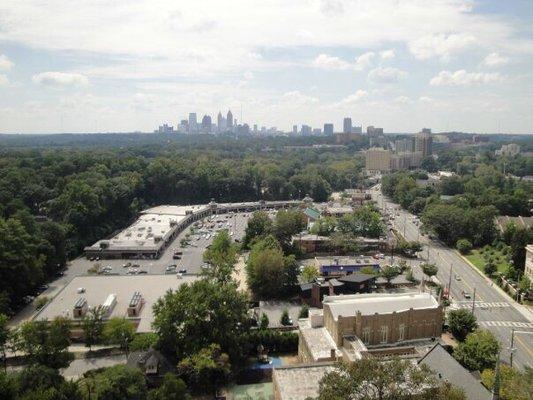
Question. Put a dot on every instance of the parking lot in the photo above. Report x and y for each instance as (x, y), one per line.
(199, 236)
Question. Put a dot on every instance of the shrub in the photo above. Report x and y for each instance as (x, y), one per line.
(304, 311)
(272, 340)
(464, 246)
(284, 320)
(263, 324)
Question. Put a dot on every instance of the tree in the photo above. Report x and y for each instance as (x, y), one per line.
(222, 256)
(479, 351)
(461, 322)
(370, 378)
(525, 284)
(119, 382)
(287, 224)
(143, 341)
(429, 269)
(304, 311)
(309, 273)
(389, 273)
(259, 225)
(285, 319)
(365, 221)
(264, 322)
(172, 388)
(464, 246)
(199, 314)
(490, 268)
(5, 334)
(119, 330)
(514, 384)
(46, 343)
(324, 226)
(269, 272)
(93, 325)
(207, 369)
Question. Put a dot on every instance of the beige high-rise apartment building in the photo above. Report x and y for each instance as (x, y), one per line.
(378, 159)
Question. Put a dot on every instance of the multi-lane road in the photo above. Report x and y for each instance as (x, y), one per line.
(494, 310)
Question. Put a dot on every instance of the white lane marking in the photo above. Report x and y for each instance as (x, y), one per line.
(508, 324)
(480, 304)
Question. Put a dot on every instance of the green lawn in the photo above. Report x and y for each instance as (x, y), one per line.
(476, 258)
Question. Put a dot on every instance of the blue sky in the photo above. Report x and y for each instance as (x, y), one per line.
(122, 65)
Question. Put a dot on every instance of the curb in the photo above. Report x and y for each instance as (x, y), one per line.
(525, 311)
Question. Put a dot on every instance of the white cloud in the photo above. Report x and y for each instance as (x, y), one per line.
(354, 98)
(296, 98)
(60, 79)
(5, 63)
(441, 45)
(364, 60)
(3, 80)
(325, 61)
(403, 100)
(494, 60)
(386, 75)
(387, 54)
(463, 78)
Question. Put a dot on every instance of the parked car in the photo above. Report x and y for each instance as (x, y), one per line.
(182, 271)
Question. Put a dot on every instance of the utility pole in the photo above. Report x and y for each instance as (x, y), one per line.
(474, 301)
(511, 348)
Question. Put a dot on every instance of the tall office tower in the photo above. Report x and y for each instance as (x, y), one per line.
(193, 123)
(347, 125)
(255, 128)
(328, 129)
(317, 132)
(220, 121)
(206, 124)
(229, 119)
(306, 130)
(295, 129)
(426, 130)
(183, 127)
(424, 143)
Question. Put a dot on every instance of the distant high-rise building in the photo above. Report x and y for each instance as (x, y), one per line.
(165, 128)
(193, 123)
(405, 145)
(255, 128)
(426, 130)
(373, 131)
(220, 122)
(317, 132)
(347, 125)
(306, 130)
(206, 124)
(183, 127)
(328, 129)
(378, 159)
(295, 129)
(229, 119)
(357, 130)
(424, 143)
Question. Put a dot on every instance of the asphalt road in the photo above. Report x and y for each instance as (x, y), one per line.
(494, 310)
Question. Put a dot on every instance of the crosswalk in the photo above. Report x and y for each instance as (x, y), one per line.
(507, 324)
(479, 304)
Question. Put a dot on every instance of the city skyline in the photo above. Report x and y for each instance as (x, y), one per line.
(450, 64)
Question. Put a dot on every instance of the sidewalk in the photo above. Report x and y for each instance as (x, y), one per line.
(526, 312)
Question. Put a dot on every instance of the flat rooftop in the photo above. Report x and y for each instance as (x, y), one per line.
(98, 288)
(381, 303)
(345, 261)
(299, 382)
(175, 210)
(318, 340)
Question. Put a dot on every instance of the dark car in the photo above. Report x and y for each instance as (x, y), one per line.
(182, 271)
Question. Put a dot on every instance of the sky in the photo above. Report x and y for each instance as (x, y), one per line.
(131, 65)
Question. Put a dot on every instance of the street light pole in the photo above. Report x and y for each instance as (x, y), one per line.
(511, 348)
